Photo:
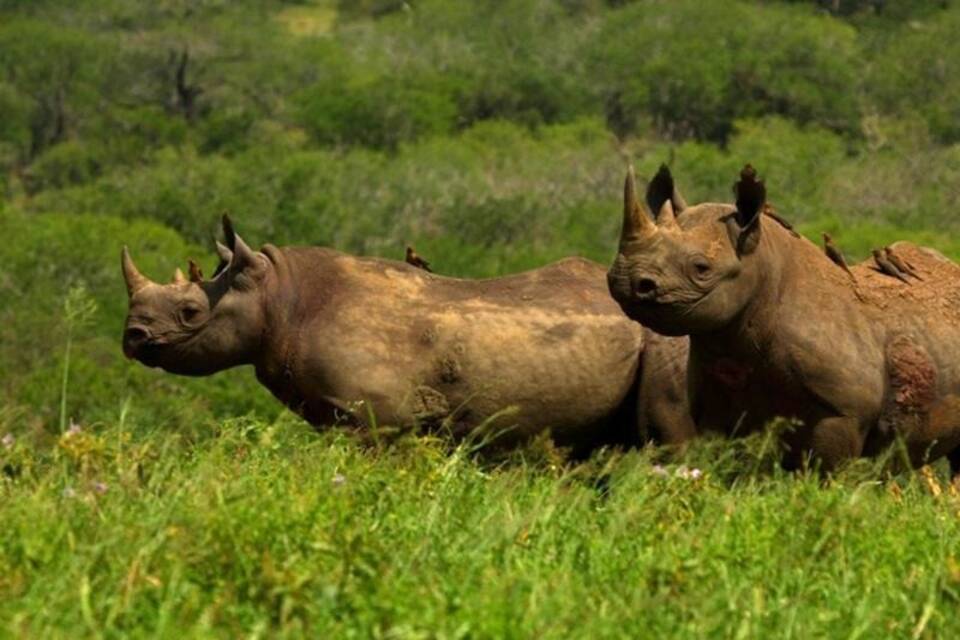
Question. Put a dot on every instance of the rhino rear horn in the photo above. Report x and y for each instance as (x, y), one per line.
(134, 279)
(636, 222)
(178, 277)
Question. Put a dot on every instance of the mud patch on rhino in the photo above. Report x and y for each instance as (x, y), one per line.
(448, 369)
(912, 374)
(424, 333)
(428, 406)
(429, 336)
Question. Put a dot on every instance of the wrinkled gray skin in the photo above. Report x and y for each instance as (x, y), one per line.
(343, 339)
(776, 329)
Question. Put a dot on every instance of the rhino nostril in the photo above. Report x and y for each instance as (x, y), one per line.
(645, 288)
(134, 335)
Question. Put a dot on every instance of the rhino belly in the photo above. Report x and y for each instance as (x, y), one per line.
(559, 373)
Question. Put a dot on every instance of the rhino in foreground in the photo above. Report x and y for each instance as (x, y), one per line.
(777, 329)
(341, 338)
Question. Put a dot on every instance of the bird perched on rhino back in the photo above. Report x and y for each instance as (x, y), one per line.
(887, 266)
(339, 337)
(413, 259)
(836, 256)
(900, 263)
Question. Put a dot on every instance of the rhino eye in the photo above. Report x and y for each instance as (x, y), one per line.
(702, 266)
(189, 314)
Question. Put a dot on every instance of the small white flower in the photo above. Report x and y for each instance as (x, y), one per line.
(687, 473)
(74, 429)
(338, 479)
(659, 470)
(8, 441)
(68, 492)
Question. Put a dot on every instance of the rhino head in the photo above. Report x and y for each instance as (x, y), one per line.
(198, 327)
(688, 269)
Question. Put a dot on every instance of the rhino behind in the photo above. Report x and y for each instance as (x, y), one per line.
(778, 329)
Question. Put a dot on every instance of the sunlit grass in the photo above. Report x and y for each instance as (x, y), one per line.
(267, 528)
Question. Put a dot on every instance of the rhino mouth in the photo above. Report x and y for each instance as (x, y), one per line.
(670, 313)
(140, 345)
(145, 353)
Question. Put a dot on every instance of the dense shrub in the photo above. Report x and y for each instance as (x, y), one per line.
(381, 112)
(917, 71)
(695, 68)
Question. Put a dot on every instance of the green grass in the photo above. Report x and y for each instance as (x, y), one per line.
(246, 528)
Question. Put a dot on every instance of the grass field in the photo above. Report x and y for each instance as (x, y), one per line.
(251, 529)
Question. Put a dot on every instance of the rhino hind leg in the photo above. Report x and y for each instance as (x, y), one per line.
(954, 458)
(942, 433)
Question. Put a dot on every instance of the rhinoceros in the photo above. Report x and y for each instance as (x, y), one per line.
(778, 329)
(339, 338)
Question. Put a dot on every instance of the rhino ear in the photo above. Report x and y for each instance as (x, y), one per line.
(225, 257)
(751, 196)
(196, 274)
(243, 260)
(244, 257)
(229, 235)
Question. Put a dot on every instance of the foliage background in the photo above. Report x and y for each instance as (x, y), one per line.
(492, 134)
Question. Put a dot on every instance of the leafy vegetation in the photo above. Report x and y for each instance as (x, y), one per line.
(493, 136)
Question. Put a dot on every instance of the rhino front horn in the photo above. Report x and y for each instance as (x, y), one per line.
(636, 222)
(135, 280)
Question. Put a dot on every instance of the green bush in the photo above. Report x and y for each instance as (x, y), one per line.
(382, 112)
(916, 71)
(15, 135)
(67, 164)
(696, 68)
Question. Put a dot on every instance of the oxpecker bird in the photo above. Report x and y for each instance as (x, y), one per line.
(900, 263)
(417, 261)
(835, 255)
(887, 267)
